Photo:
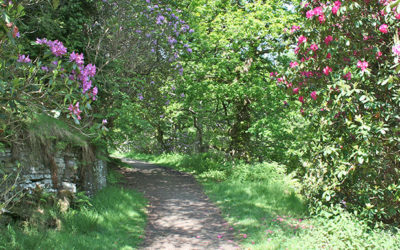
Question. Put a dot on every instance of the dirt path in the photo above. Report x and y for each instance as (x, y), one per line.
(180, 215)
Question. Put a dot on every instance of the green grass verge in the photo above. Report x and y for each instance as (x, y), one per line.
(116, 220)
(264, 210)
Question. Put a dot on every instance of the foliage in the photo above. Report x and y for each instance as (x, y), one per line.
(347, 84)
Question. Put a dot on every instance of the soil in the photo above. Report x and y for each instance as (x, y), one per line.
(180, 215)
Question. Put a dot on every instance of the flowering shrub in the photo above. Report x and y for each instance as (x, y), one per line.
(348, 85)
(57, 84)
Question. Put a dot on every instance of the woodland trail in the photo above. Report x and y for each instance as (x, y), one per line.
(180, 215)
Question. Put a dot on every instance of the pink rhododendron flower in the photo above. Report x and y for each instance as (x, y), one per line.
(328, 56)
(301, 99)
(383, 28)
(310, 14)
(327, 70)
(336, 7)
(328, 39)
(347, 76)
(313, 95)
(318, 11)
(302, 39)
(294, 28)
(396, 50)
(363, 65)
(295, 91)
(322, 18)
(294, 64)
(314, 47)
(378, 54)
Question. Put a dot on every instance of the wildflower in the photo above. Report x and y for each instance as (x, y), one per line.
(295, 91)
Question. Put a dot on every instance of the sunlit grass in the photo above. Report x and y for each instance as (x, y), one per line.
(115, 221)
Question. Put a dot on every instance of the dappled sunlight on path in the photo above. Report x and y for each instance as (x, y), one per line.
(180, 215)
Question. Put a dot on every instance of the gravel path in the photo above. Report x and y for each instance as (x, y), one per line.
(180, 215)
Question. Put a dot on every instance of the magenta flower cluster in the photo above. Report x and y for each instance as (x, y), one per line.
(84, 75)
(56, 47)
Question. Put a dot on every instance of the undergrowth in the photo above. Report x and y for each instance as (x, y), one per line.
(265, 210)
(114, 219)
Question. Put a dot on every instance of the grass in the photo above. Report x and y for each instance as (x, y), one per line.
(264, 210)
(116, 220)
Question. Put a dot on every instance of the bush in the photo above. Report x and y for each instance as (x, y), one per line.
(347, 83)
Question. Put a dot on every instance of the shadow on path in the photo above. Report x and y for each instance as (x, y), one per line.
(180, 215)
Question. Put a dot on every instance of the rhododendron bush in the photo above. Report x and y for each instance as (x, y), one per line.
(58, 83)
(346, 79)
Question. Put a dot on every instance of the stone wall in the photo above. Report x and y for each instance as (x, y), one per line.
(67, 175)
